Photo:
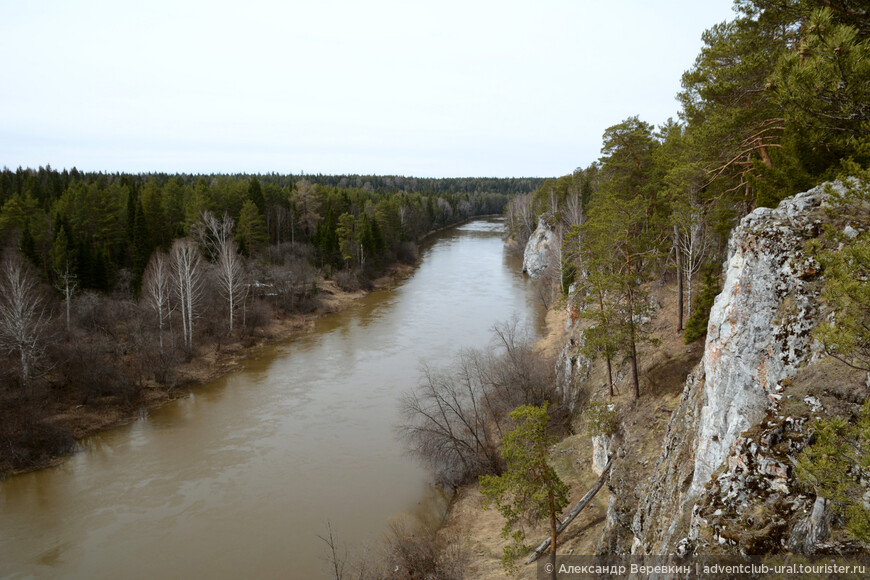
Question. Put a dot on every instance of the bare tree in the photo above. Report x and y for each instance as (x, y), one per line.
(679, 258)
(157, 288)
(23, 315)
(694, 243)
(519, 374)
(188, 278)
(231, 277)
(67, 283)
(447, 425)
(335, 560)
(572, 213)
(307, 204)
(452, 422)
(213, 233)
(521, 219)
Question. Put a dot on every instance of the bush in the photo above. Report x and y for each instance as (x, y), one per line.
(257, 316)
(424, 555)
(834, 467)
(352, 281)
(26, 441)
(346, 280)
(451, 422)
(406, 552)
(407, 253)
(601, 419)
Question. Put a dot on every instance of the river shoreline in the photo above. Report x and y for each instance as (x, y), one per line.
(214, 361)
(465, 520)
(210, 363)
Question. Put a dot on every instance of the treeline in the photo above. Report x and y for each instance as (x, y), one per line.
(777, 101)
(108, 223)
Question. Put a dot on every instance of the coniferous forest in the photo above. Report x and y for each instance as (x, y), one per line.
(777, 102)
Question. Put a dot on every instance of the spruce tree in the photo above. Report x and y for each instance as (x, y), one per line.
(251, 228)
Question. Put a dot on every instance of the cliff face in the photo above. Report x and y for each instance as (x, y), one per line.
(723, 480)
(759, 329)
(758, 336)
(541, 250)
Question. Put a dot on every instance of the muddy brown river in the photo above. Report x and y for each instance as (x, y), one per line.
(238, 479)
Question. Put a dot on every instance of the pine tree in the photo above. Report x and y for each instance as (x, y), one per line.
(255, 194)
(621, 237)
(141, 241)
(529, 484)
(696, 327)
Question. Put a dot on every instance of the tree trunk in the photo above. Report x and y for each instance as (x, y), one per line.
(67, 292)
(634, 376)
(679, 279)
(553, 533)
(609, 376)
(575, 511)
(632, 341)
(689, 295)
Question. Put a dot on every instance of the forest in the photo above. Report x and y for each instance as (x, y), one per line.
(777, 102)
(110, 282)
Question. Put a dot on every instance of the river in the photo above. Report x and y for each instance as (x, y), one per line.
(238, 478)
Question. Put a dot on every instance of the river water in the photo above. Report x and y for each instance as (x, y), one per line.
(238, 479)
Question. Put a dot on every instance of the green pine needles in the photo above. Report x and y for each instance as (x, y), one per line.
(529, 488)
(835, 465)
(696, 327)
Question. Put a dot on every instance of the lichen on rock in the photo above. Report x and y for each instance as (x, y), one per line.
(724, 480)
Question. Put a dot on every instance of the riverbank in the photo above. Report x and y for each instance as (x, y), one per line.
(207, 364)
(479, 530)
(664, 368)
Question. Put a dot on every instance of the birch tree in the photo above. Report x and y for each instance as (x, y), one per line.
(231, 277)
(23, 316)
(157, 289)
(64, 261)
(67, 283)
(693, 243)
(188, 280)
(213, 233)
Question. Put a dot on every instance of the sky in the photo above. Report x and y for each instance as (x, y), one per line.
(417, 88)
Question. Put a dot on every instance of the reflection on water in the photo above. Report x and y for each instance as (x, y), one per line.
(239, 478)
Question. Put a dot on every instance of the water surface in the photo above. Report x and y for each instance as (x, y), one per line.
(238, 479)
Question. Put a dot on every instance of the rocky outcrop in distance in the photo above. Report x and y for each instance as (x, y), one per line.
(541, 253)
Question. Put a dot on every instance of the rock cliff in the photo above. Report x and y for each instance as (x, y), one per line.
(725, 481)
(541, 253)
(758, 336)
(724, 478)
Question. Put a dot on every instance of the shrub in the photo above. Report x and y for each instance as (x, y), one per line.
(835, 466)
(601, 419)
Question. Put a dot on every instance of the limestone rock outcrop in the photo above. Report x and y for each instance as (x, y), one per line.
(758, 337)
(759, 329)
(541, 253)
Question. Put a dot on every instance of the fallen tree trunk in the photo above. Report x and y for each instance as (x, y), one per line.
(584, 501)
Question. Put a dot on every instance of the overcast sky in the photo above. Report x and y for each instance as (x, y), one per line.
(440, 89)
